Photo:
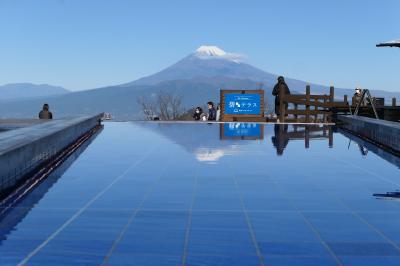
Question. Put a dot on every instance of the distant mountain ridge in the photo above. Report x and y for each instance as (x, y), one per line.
(17, 91)
(198, 78)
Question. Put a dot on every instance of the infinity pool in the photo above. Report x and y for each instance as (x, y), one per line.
(202, 194)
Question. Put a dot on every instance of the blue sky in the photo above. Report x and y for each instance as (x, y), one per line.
(93, 43)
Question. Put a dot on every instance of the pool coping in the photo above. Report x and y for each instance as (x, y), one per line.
(24, 149)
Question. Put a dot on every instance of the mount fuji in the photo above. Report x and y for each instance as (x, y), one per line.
(211, 62)
(198, 77)
(206, 62)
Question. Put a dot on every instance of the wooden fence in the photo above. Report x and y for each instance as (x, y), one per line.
(307, 107)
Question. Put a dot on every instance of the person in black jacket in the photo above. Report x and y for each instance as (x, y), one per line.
(45, 113)
(281, 85)
(197, 113)
(212, 113)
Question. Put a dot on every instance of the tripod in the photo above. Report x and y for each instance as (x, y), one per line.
(366, 95)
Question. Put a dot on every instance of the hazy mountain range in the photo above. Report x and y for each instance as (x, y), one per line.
(28, 90)
(198, 77)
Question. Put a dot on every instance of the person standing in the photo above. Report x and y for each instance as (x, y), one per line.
(281, 86)
(357, 97)
(212, 113)
(45, 113)
(218, 117)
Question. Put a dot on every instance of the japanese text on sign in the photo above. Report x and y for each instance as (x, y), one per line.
(242, 104)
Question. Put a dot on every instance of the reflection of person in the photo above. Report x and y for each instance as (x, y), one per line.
(363, 150)
(212, 113)
(197, 113)
(280, 140)
(281, 86)
(45, 113)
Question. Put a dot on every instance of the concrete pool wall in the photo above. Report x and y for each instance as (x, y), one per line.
(381, 132)
(23, 149)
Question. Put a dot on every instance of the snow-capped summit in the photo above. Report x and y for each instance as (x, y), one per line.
(214, 52)
(205, 50)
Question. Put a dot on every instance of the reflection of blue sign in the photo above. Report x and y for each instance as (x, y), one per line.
(242, 104)
(242, 130)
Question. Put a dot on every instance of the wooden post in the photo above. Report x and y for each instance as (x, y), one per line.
(308, 88)
(324, 115)
(394, 101)
(331, 94)
(295, 109)
(222, 105)
(331, 98)
(307, 137)
(346, 102)
(330, 137)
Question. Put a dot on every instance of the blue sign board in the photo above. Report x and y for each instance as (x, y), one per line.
(242, 104)
(242, 130)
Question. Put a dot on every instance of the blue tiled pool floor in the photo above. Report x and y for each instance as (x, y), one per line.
(177, 194)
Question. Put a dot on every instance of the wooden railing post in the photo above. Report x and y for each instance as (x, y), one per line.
(330, 137)
(346, 102)
(295, 109)
(394, 101)
(308, 89)
(331, 94)
(331, 98)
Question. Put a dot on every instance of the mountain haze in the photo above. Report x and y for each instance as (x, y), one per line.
(19, 91)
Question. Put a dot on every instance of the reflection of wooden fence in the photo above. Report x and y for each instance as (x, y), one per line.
(307, 107)
(311, 132)
(307, 133)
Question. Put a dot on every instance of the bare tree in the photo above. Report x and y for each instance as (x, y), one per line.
(165, 106)
(147, 106)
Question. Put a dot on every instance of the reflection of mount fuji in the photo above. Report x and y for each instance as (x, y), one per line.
(201, 139)
(211, 142)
